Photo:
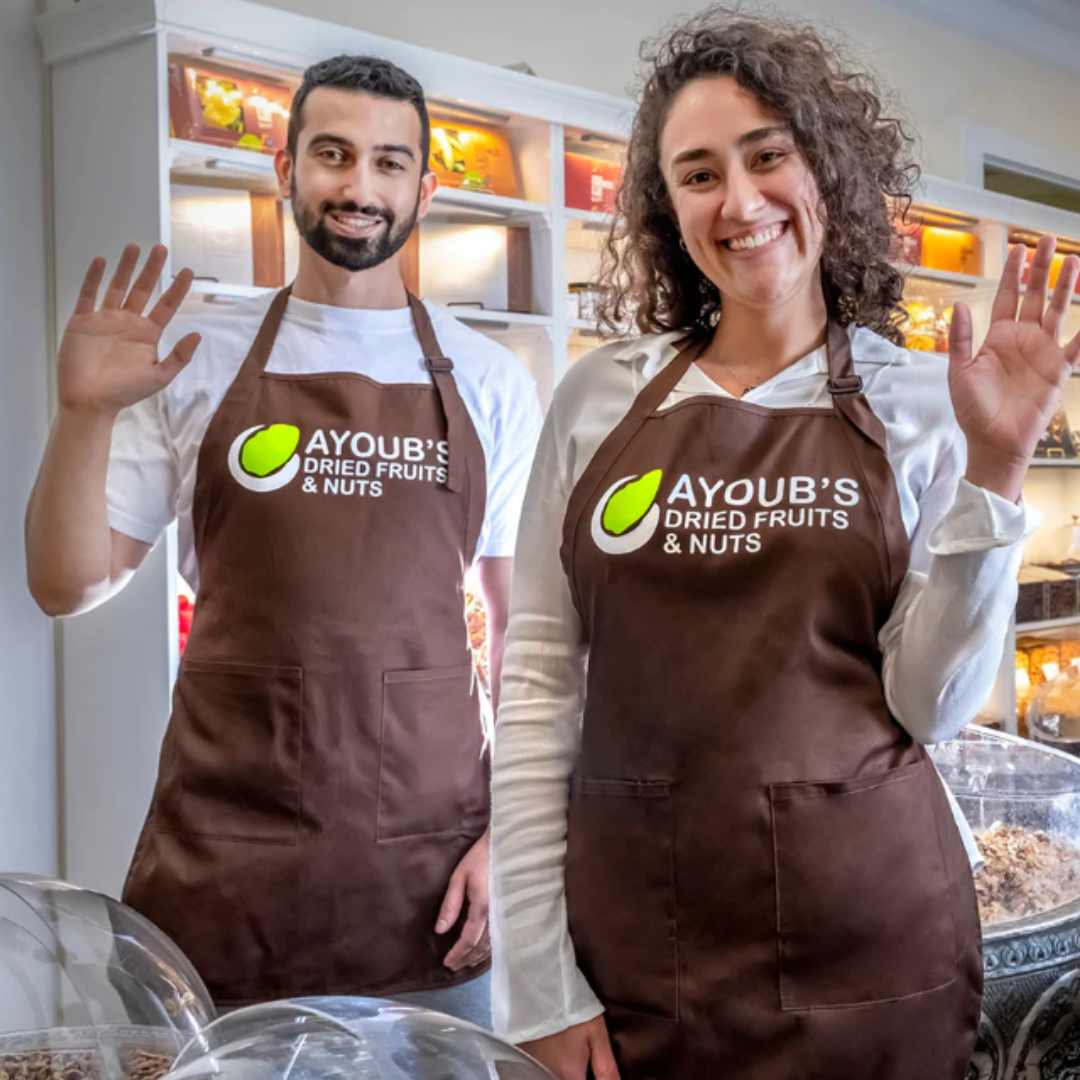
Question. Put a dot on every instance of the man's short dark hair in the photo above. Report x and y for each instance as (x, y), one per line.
(364, 75)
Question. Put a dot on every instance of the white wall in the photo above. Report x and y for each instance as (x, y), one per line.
(948, 81)
(28, 788)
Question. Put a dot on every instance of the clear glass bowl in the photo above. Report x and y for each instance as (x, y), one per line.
(1053, 715)
(1022, 801)
(89, 988)
(348, 1038)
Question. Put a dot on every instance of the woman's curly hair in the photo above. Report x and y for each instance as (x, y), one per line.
(859, 157)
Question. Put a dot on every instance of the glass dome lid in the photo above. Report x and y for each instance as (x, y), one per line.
(349, 1038)
(90, 990)
(1053, 715)
(1022, 801)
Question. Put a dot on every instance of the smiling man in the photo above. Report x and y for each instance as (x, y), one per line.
(337, 456)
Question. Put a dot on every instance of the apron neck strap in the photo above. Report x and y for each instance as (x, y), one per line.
(441, 368)
(263, 345)
(656, 390)
(846, 388)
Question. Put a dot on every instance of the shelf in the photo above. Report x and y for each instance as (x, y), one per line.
(1055, 463)
(476, 208)
(585, 326)
(591, 217)
(507, 318)
(202, 162)
(1047, 624)
(211, 290)
(946, 277)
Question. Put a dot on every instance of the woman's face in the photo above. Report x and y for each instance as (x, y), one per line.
(745, 201)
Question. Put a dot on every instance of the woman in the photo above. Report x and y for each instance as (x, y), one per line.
(764, 558)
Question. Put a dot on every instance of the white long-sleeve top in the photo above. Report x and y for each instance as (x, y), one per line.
(941, 645)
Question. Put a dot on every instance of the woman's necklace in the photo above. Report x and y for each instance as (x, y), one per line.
(747, 387)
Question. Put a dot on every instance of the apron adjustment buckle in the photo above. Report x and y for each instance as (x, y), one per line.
(439, 365)
(846, 384)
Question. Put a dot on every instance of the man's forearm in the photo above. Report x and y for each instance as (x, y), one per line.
(68, 540)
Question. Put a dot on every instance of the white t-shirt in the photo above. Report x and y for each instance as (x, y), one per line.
(941, 645)
(156, 443)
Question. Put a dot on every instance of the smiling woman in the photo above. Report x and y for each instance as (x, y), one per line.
(818, 123)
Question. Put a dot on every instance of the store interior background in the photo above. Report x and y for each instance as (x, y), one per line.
(975, 76)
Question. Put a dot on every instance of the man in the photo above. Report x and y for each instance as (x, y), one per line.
(319, 823)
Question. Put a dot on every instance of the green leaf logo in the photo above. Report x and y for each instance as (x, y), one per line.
(630, 504)
(266, 451)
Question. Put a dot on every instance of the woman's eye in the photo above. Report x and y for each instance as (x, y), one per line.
(698, 178)
(771, 157)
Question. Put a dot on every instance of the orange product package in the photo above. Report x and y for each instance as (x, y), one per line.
(954, 250)
(473, 158)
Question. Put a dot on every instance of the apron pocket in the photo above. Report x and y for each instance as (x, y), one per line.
(620, 892)
(429, 748)
(862, 895)
(232, 767)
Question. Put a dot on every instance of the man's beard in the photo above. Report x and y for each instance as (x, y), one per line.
(352, 253)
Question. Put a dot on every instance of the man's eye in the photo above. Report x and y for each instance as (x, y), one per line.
(333, 155)
(394, 165)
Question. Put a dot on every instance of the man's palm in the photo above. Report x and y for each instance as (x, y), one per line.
(108, 357)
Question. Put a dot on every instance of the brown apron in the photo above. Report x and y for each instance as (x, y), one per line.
(324, 770)
(763, 876)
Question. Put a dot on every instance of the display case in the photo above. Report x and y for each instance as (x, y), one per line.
(1023, 804)
(90, 990)
(341, 1038)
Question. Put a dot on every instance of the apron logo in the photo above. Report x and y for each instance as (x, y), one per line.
(264, 458)
(627, 517)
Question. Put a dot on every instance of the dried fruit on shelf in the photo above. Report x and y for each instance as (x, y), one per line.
(226, 109)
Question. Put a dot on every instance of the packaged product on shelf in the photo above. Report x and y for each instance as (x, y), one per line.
(927, 328)
(952, 250)
(1058, 442)
(227, 109)
(592, 183)
(473, 158)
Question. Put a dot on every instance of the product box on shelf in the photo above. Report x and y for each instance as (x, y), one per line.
(223, 108)
(472, 157)
(1059, 441)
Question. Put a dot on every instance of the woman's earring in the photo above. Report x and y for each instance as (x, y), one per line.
(682, 243)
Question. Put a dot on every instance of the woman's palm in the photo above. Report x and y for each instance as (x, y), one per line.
(1005, 395)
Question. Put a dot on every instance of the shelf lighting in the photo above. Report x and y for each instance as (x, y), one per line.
(218, 165)
(250, 60)
(442, 109)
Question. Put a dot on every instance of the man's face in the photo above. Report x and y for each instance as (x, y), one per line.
(358, 184)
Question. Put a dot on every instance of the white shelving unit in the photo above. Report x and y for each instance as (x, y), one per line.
(118, 176)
